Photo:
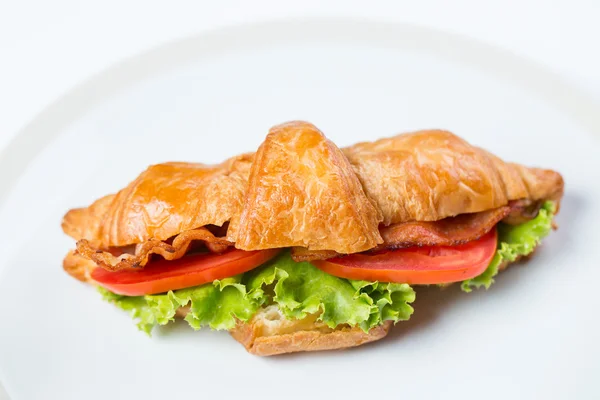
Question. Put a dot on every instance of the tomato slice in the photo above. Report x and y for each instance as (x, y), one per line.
(417, 265)
(193, 270)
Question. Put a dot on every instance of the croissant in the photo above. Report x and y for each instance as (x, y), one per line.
(424, 192)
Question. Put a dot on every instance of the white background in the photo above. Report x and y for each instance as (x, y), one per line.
(47, 47)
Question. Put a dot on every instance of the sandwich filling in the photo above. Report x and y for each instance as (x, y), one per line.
(301, 290)
(314, 244)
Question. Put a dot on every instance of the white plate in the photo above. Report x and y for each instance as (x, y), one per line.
(533, 335)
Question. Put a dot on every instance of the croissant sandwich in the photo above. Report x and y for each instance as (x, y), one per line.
(304, 246)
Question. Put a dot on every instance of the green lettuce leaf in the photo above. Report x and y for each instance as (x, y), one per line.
(390, 301)
(216, 305)
(298, 289)
(514, 241)
(301, 289)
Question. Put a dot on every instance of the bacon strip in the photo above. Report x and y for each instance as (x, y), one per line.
(450, 231)
(446, 232)
(300, 254)
(143, 251)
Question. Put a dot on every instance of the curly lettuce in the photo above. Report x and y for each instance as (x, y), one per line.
(301, 289)
(514, 241)
(215, 304)
(298, 289)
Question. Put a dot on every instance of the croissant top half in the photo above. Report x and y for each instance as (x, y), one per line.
(434, 174)
(303, 192)
(300, 189)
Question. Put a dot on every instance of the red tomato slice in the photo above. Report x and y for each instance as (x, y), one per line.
(417, 265)
(162, 276)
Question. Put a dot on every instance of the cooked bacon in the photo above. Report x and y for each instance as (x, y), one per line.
(446, 232)
(450, 231)
(300, 254)
(143, 251)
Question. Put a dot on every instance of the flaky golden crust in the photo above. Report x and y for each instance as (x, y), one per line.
(86, 223)
(430, 175)
(307, 340)
(78, 266)
(303, 192)
(290, 336)
(269, 333)
(162, 202)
